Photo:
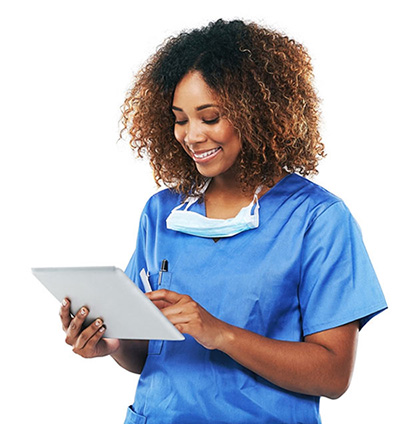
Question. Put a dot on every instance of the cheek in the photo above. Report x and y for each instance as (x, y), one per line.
(226, 132)
(232, 141)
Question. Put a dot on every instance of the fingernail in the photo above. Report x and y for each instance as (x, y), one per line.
(83, 311)
(64, 302)
(102, 329)
(98, 323)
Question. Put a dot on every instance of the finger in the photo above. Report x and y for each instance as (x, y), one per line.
(87, 334)
(173, 310)
(161, 304)
(182, 318)
(91, 345)
(183, 328)
(75, 326)
(165, 295)
(65, 314)
(186, 306)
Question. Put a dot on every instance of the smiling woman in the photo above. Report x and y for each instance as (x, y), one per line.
(262, 83)
(228, 117)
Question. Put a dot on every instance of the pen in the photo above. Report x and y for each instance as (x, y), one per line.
(164, 268)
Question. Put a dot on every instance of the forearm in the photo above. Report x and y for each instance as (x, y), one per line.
(303, 367)
(132, 355)
(321, 365)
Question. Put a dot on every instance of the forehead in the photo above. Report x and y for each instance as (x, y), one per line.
(193, 91)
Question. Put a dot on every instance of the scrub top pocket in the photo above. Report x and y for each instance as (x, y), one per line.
(165, 282)
(133, 417)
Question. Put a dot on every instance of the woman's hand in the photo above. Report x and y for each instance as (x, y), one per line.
(190, 318)
(321, 365)
(89, 342)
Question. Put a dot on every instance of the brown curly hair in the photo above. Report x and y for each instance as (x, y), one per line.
(264, 83)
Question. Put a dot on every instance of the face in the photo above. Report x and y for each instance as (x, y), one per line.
(205, 134)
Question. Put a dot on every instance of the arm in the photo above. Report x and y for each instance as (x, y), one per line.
(321, 365)
(89, 343)
(132, 355)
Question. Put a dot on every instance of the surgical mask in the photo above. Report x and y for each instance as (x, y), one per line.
(193, 223)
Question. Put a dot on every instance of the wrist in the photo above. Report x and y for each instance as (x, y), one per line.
(226, 337)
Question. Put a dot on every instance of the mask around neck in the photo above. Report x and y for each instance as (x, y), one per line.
(193, 223)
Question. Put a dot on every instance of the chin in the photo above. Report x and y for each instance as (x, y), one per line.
(210, 173)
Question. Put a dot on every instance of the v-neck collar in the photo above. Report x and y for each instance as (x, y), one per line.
(200, 207)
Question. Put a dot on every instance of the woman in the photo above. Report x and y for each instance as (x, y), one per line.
(268, 277)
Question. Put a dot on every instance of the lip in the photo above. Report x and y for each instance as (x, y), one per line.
(203, 156)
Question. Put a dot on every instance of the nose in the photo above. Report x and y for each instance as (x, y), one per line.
(194, 133)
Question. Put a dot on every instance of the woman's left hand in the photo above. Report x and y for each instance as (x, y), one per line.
(321, 365)
(190, 318)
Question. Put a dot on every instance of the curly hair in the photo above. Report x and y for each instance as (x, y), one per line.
(264, 83)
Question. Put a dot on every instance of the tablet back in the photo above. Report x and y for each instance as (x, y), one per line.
(109, 294)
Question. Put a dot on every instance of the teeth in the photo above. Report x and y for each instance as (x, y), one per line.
(205, 154)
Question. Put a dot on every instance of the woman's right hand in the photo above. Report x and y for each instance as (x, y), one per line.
(88, 342)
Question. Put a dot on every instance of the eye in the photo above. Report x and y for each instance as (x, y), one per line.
(182, 122)
(211, 121)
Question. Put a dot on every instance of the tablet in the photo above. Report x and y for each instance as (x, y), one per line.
(111, 295)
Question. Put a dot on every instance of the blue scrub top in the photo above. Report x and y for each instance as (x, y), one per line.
(303, 270)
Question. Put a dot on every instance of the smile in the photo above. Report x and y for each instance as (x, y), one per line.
(205, 156)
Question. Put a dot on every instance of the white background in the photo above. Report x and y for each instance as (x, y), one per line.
(71, 195)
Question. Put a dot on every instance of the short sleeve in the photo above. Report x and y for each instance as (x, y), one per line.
(338, 283)
(138, 261)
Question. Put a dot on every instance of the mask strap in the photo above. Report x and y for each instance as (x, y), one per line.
(257, 192)
(193, 199)
(190, 202)
(255, 198)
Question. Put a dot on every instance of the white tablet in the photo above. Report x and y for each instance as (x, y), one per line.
(109, 294)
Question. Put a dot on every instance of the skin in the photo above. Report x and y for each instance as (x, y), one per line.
(201, 127)
(89, 342)
(320, 365)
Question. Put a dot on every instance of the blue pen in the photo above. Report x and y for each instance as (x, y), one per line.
(164, 268)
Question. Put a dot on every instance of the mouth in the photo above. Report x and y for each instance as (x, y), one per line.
(205, 156)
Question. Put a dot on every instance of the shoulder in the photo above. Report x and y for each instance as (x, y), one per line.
(312, 192)
(314, 200)
(164, 197)
(160, 204)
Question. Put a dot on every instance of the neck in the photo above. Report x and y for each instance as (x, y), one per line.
(224, 199)
(225, 187)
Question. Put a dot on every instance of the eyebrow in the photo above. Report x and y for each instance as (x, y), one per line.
(198, 108)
